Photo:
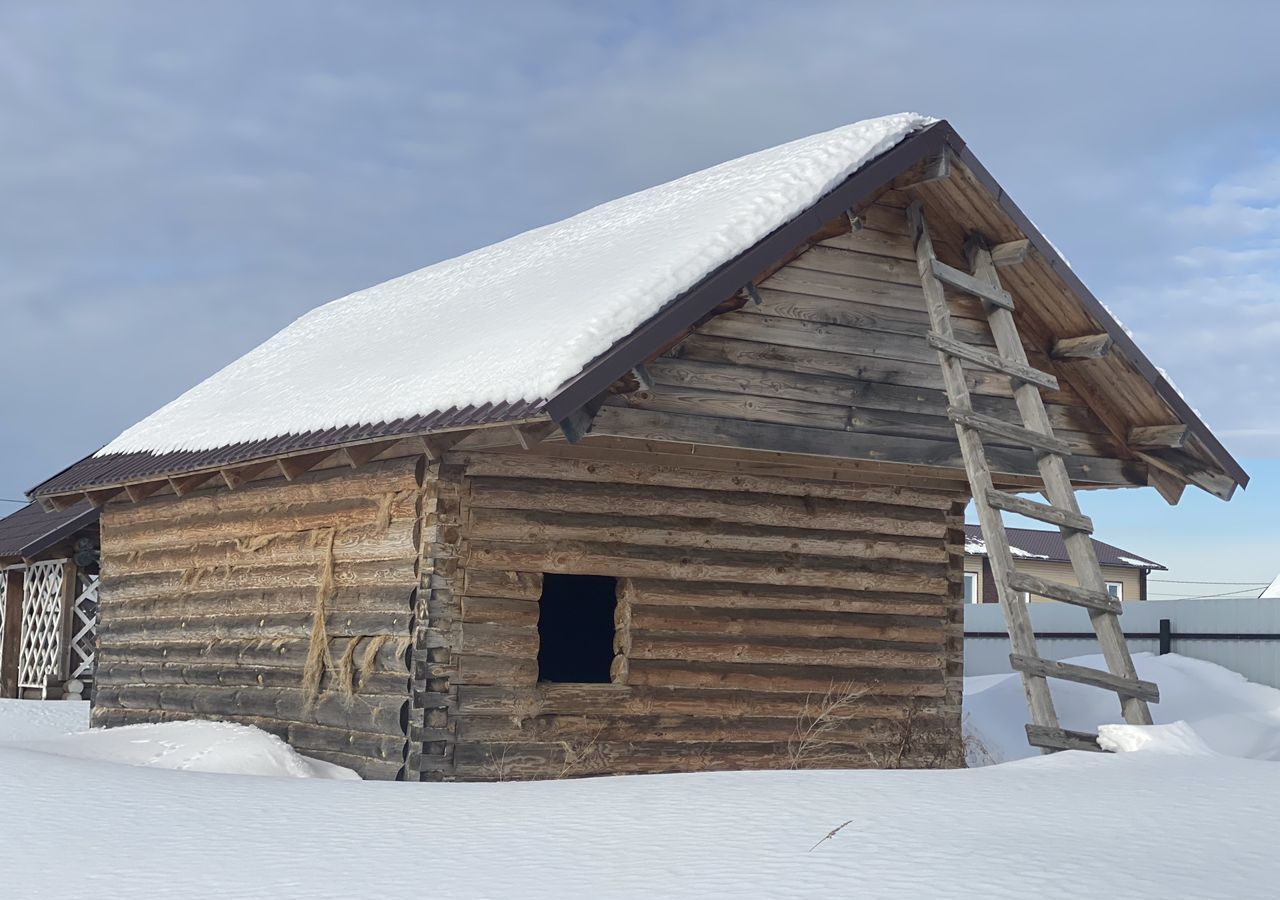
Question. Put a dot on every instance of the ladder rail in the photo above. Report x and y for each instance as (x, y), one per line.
(1021, 635)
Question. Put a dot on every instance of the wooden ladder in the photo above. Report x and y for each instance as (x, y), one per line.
(1035, 433)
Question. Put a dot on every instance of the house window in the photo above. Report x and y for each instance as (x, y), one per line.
(575, 628)
(1115, 589)
(971, 594)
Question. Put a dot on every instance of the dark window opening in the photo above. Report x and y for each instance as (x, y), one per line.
(575, 628)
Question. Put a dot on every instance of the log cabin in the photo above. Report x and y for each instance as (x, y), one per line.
(671, 485)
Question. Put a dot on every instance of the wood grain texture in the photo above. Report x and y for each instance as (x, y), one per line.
(208, 608)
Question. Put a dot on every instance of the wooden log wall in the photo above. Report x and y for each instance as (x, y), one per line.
(744, 601)
(833, 361)
(209, 605)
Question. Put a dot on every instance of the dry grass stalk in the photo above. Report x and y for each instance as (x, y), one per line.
(821, 720)
(371, 648)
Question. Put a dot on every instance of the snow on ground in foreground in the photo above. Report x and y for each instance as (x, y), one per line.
(1222, 711)
(1142, 824)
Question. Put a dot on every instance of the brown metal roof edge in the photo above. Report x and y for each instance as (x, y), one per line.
(1122, 341)
(95, 472)
(684, 311)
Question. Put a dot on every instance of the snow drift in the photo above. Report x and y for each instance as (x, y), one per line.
(1203, 708)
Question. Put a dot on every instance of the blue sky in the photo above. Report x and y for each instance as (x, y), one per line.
(182, 179)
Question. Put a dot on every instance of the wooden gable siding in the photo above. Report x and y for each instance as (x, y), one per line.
(834, 361)
(741, 600)
(208, 605)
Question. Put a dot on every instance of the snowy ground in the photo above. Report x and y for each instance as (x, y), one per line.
(1178, 818)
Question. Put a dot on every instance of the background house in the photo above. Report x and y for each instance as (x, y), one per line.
(1043, 553)
(48, 600)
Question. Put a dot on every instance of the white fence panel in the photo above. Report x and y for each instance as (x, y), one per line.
(1242, 635)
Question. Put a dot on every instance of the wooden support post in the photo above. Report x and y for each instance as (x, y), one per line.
(238, 475)
(577, 424)
(98, 499)
(1167, 486)
(66, 615)
(533, 433)
(1011, 253)
(292, 467)
(1186, 467)
(141, 491)
(359, 454)
(1089, 346)
(11, 646)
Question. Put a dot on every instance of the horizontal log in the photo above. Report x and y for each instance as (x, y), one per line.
(727, 506)
(468, 668)
(759, 649)
(849, 365)
(499, 640)
(251, 627)
(365, 541)
(528, 526)
(378, 681)
(870, 240)
(245, 528)
(276, 653)
(785, 678)
(369, 769)
(865, 395)
(842, 261)
(497, 584)
(219, 580)
(698, 620)
(621, 560)
(925, 423)
(672, 476)
(507, 761)
(379, 714)
(850, 728)
(644, 591)
(647, 700)
(327, 484)
(865, 316)
(370, 599)
(499, 611)
(673, 427)
(820, 336)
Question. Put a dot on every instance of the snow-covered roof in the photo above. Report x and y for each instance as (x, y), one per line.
(1273, 590)
(513, 321)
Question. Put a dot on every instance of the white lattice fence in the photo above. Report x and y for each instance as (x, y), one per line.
(84, 626)
(4, 590)
(40, 656)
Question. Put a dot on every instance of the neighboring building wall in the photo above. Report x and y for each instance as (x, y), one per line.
(742, 601)
(1130, 578)
(208, 609)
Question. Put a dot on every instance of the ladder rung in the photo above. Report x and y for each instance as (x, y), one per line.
(991, 361)
(1125, 687)
(1061, 739)
(1054, 590)
(1010, 432)
(1040, 511)
(971, 285)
